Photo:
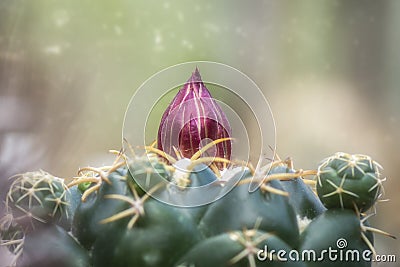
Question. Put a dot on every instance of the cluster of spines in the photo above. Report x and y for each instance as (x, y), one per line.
(34, 199)
(34, 189)
(11, 236)
(349, 167)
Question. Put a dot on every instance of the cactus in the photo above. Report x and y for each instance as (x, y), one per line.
(236, 248)
(12, 236)
(52, 246)
(37, 198)
(140, 211)
(349, 181)
(39, 211)
(349, 239)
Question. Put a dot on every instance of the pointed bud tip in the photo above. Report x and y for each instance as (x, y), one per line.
(196, 77)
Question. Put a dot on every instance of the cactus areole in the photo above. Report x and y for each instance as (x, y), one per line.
(192, 120)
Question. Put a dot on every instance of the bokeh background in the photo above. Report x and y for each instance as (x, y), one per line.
(330, 70)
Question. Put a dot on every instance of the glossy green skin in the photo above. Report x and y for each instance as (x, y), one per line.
(52, 246)
(157, 239)
(200, 176)
(323, 233)
(162, 232)
(240, 209)
(75, 200)
(359, 183)
(301, 197)
(86, 226)
(221, 249)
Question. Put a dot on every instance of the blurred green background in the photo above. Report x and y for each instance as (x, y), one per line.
(330, 70)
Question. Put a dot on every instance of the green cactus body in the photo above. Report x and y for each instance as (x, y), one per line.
(239, 249)
(301, 196)
(75, 200)
(89, 213)
(122, 223)
(52, 246)
(200, 175)
(146, 172)
(134, 219)
(182, 190)
(240, 209)
(349, 181)
(124, 226)
(337, 239)
(159, 236)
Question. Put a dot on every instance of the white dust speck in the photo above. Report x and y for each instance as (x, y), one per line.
(157, 38)
(239, 31)
(211, 27)
(53, 50)
(158, 41)
(187, 44)
(118, 30)
(181, 16)
(61, 17)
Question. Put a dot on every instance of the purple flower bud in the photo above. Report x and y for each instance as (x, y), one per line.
(192, 120)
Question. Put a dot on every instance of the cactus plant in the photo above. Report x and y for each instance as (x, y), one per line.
(118, 215)
(36, 198)
(39, 211)
(348, 181)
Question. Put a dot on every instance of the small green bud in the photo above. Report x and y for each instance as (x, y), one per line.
(349, 181)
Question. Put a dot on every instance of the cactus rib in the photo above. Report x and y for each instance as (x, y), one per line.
(249, 240)
(97, 175)
(136, 204)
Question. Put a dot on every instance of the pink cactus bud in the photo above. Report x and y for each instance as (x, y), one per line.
(192, 120)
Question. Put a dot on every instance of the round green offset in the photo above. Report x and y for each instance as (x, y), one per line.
(349, 181)
(37, 198)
